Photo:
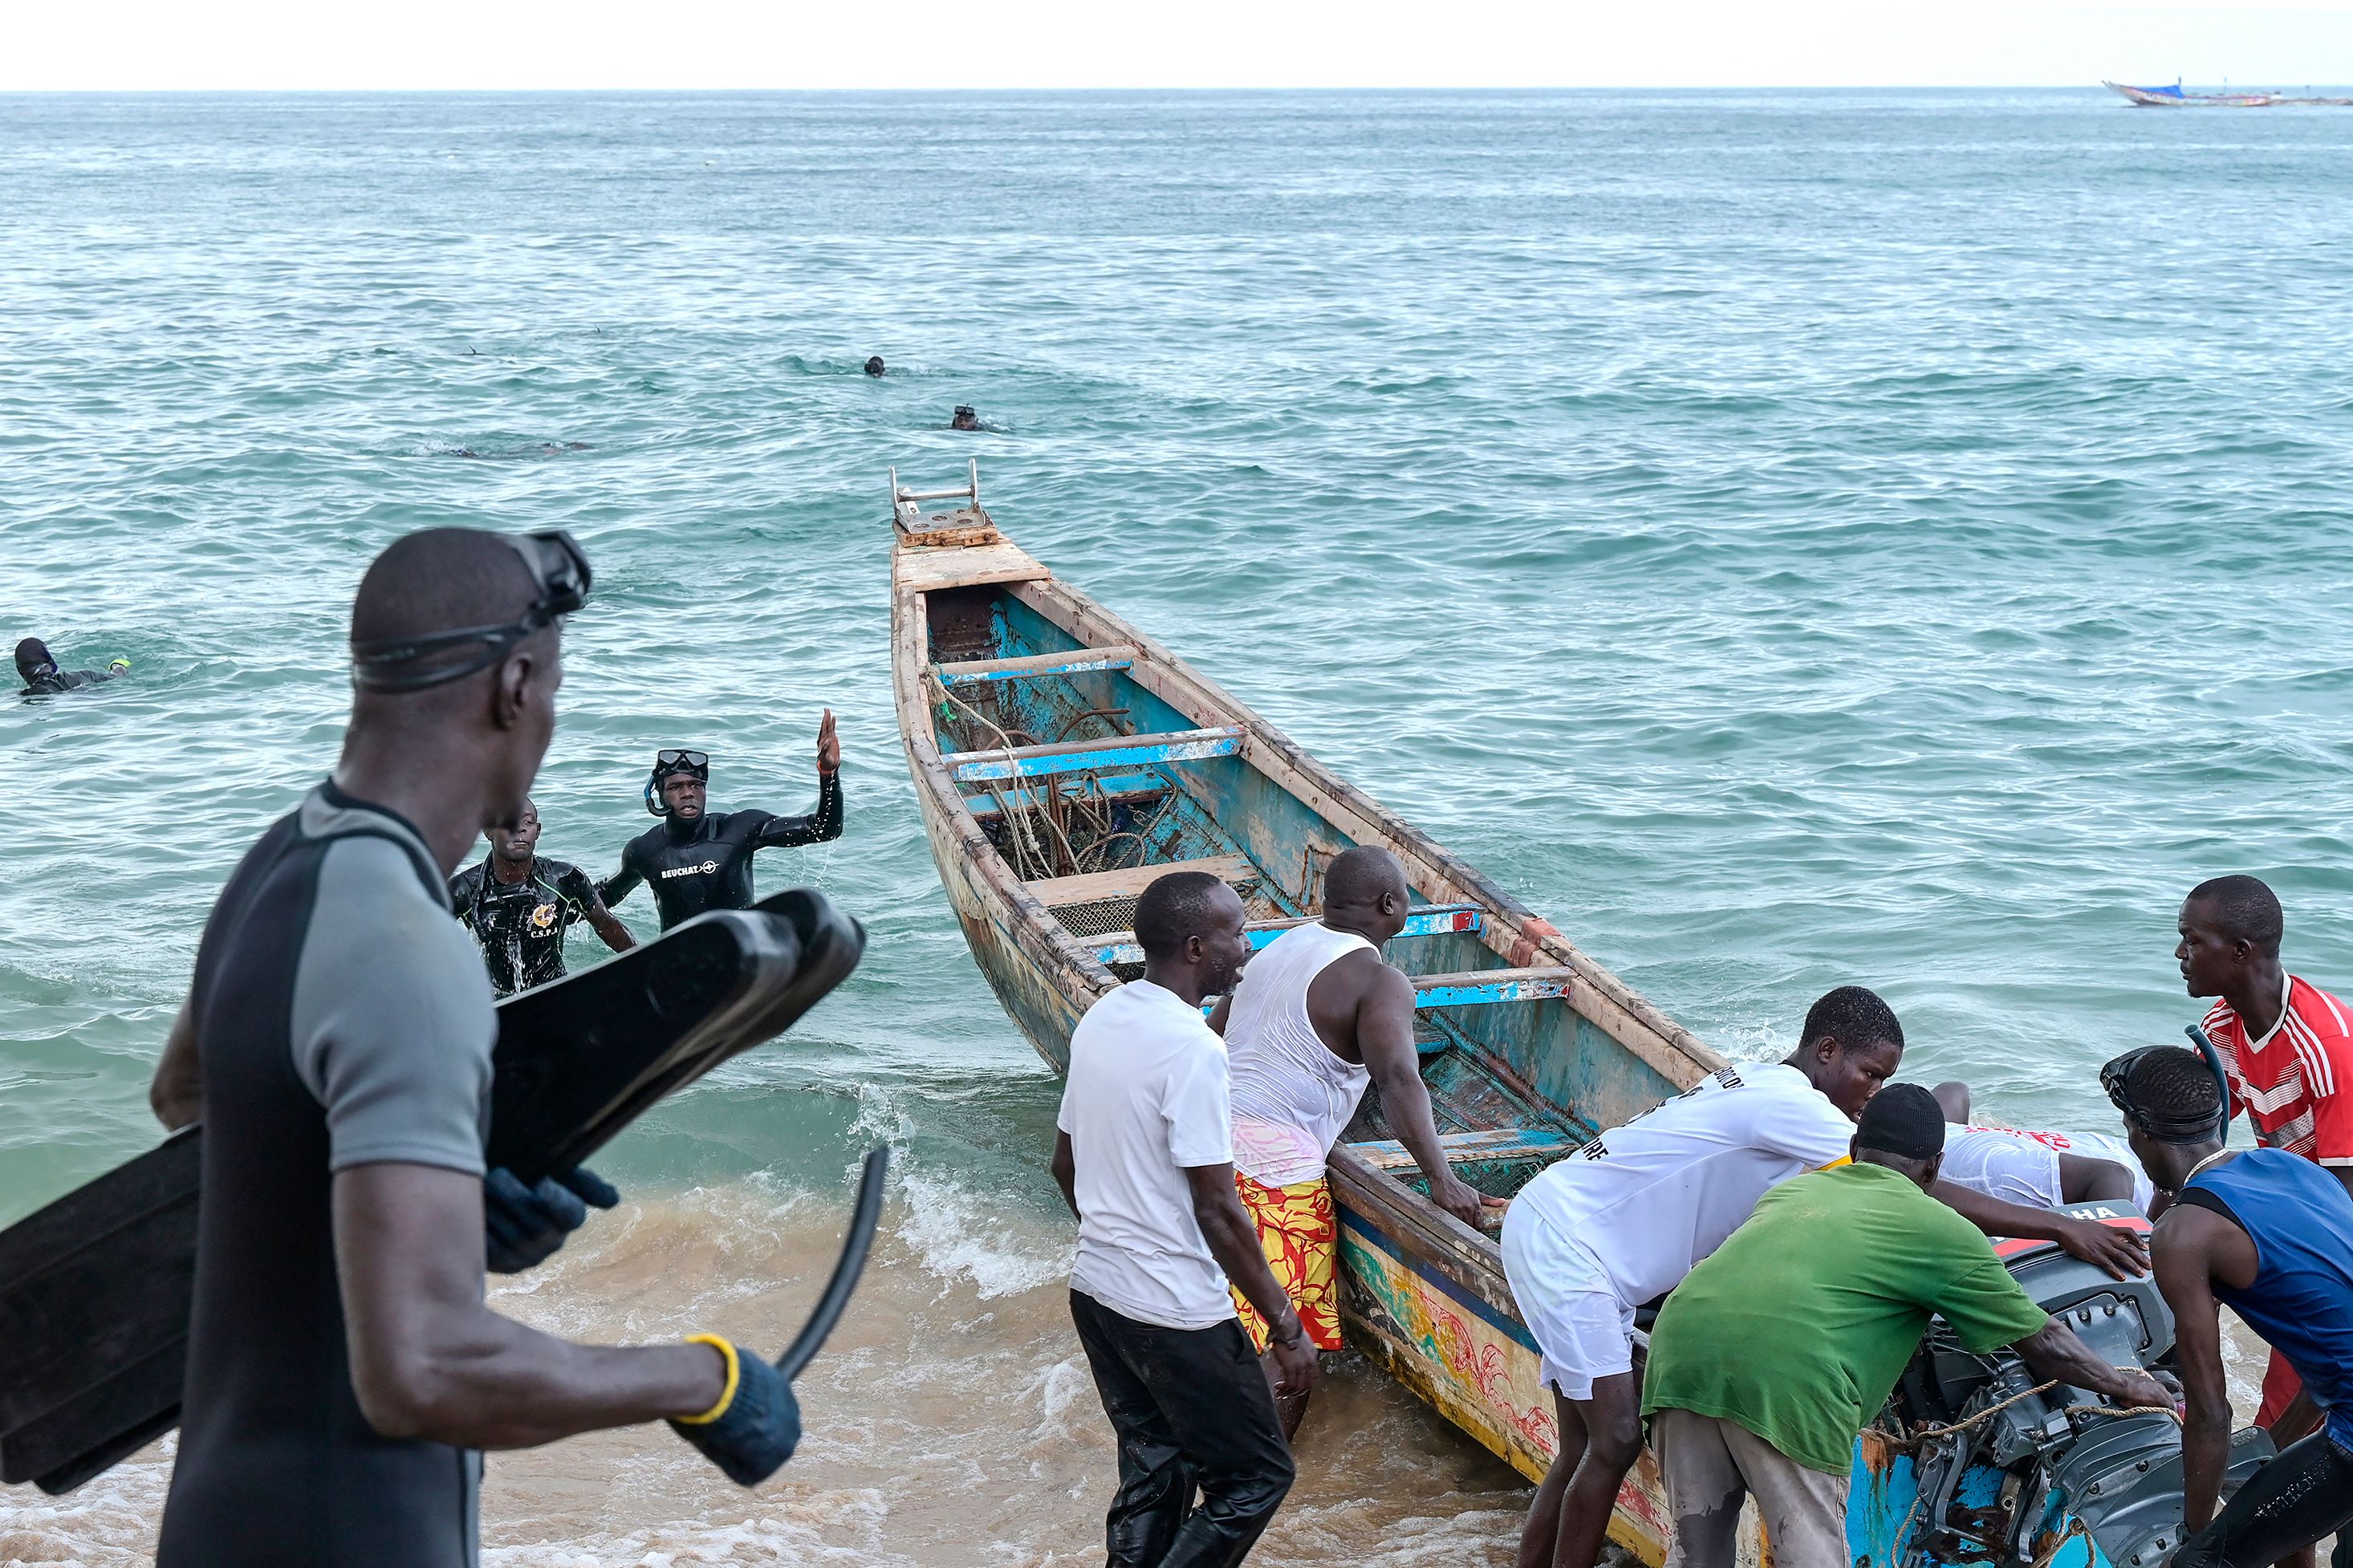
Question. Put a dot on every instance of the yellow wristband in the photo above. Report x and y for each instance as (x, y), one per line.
(726, 1395)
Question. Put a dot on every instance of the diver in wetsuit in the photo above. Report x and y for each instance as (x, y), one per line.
(41, 675)
(518, 903)
(697, 861)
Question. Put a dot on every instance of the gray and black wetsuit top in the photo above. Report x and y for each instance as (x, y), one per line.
(342, 1018)
(706, 864)
(66, 680)
(521, 925)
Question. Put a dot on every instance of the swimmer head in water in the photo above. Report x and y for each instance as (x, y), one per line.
(678, 786)
(965, 419)
(874, 366)
(33, 660)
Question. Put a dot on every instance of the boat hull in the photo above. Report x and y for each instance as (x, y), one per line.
(1423, 1296)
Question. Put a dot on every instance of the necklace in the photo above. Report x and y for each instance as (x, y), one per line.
(2217, 1155)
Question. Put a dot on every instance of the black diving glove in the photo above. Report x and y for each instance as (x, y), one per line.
(756, 1424)
(524, 1227)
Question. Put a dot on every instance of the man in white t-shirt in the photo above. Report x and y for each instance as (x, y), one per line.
(2040, 1170)
(1145, 1155)
(1622, 1220)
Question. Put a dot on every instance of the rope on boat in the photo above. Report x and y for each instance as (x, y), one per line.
(2125, 1410)
(2074, 1531)
(1032, 856)
(2110, 1411)
(1925, 1434)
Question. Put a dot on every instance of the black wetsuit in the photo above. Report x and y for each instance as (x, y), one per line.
(706, 864)
(521, 926)
(66, 680)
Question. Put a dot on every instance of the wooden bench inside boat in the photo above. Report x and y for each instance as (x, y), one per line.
(1104, 901)
(1494, 1143)
(1124, 789)
(1485, 987)
(1036, 667)
(1086, 756)
(1424, 920)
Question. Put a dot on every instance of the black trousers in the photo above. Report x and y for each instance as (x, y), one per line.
(1192, 1411)
(2293, 1502)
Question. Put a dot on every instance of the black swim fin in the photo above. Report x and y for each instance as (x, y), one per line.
(95, 1290)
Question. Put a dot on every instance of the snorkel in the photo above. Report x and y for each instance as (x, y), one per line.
(2206, 1049)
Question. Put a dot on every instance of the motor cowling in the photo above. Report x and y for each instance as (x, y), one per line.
(2057, 1465)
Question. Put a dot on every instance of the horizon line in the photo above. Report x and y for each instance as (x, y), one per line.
(2252, 85)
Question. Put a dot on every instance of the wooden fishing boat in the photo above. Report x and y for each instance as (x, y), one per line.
(1063, 760)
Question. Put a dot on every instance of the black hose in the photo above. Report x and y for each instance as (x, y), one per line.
(2213, 1064)
(846, 1270)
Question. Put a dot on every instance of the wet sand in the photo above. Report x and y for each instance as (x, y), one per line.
(951, 1421)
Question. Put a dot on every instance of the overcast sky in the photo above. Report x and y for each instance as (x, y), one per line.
(530, 44)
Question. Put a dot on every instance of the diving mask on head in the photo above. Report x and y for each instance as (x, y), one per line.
(561, 572)
(2202, 1128)
(667, 762)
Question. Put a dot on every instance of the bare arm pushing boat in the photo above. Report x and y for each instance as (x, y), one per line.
(1316, 1018)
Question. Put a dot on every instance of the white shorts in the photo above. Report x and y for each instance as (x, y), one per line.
(1582, 1329)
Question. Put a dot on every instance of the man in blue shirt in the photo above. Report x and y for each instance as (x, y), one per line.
(2269, 1235)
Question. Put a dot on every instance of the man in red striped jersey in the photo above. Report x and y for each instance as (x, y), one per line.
(2286, 1045)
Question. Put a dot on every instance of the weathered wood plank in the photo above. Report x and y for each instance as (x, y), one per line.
(927, 570)
(1490, 1144)
(1071, 661)
(1427, 920)
(1077, 756)
(1097, 886)
(1481, 987)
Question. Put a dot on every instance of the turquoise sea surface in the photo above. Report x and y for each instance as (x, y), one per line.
(1785, 538)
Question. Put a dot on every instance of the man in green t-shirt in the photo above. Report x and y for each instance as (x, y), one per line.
(1780, 1347)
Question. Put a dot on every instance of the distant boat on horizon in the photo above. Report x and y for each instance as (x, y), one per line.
(2174, 97)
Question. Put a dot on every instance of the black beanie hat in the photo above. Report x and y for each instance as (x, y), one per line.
(1902, 1119)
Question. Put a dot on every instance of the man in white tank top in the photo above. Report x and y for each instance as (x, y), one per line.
(1315, 1018)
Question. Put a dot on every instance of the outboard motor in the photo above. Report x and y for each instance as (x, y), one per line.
(2000, 1475)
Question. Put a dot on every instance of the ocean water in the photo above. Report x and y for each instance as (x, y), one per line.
(1787, 539)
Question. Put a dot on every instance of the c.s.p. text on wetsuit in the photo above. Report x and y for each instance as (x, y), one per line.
(706, 864)
(343, 1019)
(521, 926)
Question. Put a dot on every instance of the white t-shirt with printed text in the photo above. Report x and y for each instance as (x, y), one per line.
(1147, 1099)
(1652, 1198)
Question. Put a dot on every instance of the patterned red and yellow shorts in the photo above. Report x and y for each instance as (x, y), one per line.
(1301, 1237)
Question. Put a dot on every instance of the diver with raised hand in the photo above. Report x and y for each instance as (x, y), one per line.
(344, 1370)
(697, 861)
(38, 670)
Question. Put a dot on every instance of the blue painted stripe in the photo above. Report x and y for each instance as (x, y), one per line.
(1433, 920)
(1039, 761)
(1478, 1306)
(1077, 664)
(1524, 989)
(1522, 1144)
